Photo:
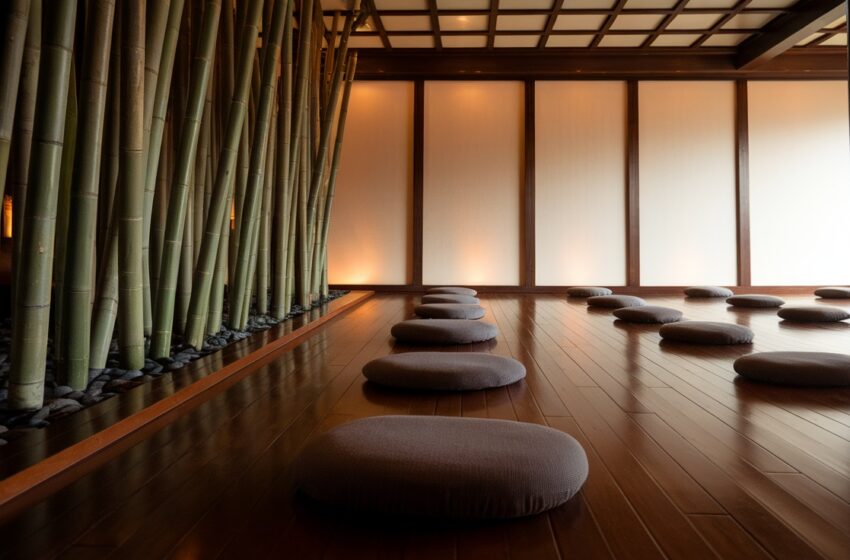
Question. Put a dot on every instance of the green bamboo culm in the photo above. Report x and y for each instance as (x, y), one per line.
(131, 187)
(105, 306)
(283, 186)
(11, 57)
(24, 118)
(32, 299)
(337, 157)
(175, 221)
(155, 141)
(212, 232)
(318, 184)
(155, 30)
(79, 257)
(259, 148)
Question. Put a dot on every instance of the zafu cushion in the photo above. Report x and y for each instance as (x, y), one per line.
(804, 369)
(708, 291)
(443, 331)
(453, 290)
(833, 292)
(444, 371)
(588, 291)
(441, 467)
(450, 311)
(755, 300)
(449, 298)
(813, 314)
(615, 301)
(706, 332)
(648, 314)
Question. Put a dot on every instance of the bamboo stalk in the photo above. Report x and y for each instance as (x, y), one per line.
(155, 31)
(24, 119)
(337, 156)
(283, 190)
(105, 310)
(152, 258)
(79, 263)
(32, 300)
(319, 165)
(131, 185)
(263, 252)
(253, 191)
(12, 51)
(209, 246)
(172, 245)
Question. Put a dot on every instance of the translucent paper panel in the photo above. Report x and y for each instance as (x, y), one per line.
(473, 169)
(687, 183)
(799, 183)
(370, 233)
(580, 183)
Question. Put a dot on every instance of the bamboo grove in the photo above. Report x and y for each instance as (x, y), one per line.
(172, 167)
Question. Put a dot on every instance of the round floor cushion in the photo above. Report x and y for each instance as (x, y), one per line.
(804, 369)
(441, 467)
(444, 371)
(706, 332)
(755, 300)
(648, 314)
(450, 311)
(443, 331)
(457, 290)
(708, 291)
(449, 298)
(833, 292)
(615, 301)
(813, 314)
(588, 291)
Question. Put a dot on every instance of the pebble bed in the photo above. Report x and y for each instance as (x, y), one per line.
(61, 400)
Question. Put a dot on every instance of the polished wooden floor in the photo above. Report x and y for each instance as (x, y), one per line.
(685, 461)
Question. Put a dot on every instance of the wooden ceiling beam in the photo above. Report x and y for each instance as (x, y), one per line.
(435, 24)
(804, 18)
(613, 64)
(550, 24)
(491, 20)
(379, 25)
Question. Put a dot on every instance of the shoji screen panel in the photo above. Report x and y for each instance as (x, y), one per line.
(472, 178)
(687, 183)
(580, 190)
(799, 183)
(370, 232)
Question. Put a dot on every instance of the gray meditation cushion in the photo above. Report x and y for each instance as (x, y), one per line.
(444, 371)
(833, 292)
(648, 314)
(449, 298)
(588, 291)
(802, 369)
(813, 314)
(457, 290)
(443, 331)
(615, 301)
(450, 311)
(706, 332)
(755, 300)
(441, 467)
(708, 291)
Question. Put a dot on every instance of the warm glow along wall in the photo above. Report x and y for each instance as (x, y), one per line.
(468, 162)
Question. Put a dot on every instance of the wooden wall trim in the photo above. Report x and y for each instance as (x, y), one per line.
(418, 178)
(27, 487)
(632, 186)
(742, 182)
(528, 246)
